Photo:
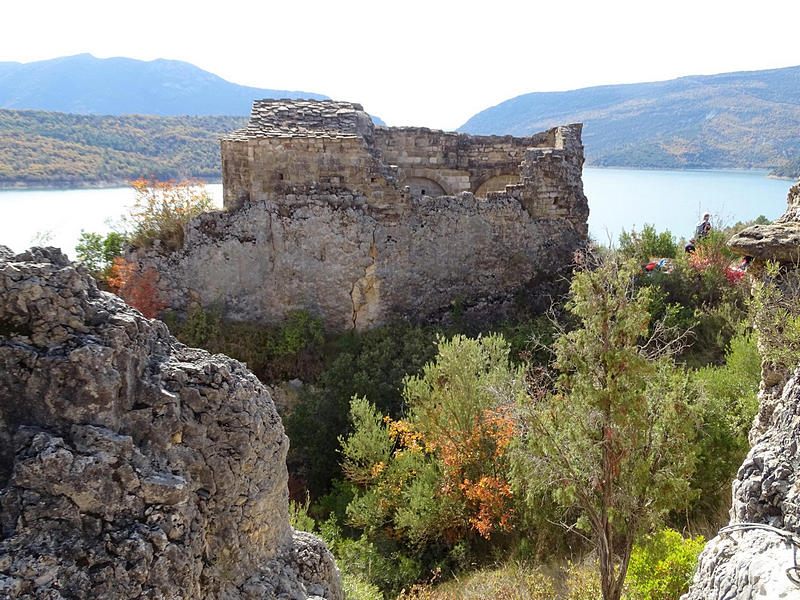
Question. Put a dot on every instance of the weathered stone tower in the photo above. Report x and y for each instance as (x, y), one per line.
(361, 224)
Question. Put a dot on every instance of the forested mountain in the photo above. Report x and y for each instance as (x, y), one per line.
(60, 149)
(748, 119)
(115, 86)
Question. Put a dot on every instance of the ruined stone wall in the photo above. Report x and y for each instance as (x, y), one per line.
(327, 213)
(457, 162)
(552, 186)
(257, 169)
(357, 268)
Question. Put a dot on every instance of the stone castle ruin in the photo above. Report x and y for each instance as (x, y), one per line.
(360, 224)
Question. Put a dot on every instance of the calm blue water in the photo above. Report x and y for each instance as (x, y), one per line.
(675, 200)
(56, 217)
(618, 199)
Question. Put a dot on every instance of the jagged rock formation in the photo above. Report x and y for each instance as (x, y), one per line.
(361, 224)
(132, 466)
(778, 241)
(748, 562)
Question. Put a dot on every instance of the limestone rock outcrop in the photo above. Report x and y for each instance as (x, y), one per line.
(757, 555)
(778, 241)
(132, 466)
(746, 562)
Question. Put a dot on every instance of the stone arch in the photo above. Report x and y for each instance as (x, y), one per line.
(496, 182)
(422, 186)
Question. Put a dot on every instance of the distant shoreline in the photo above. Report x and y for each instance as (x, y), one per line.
(765, 170)
(768, 173)
(89, 185)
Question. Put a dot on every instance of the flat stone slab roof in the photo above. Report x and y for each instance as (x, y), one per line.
(303, 119)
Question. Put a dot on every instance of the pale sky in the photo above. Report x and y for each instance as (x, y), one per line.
(415, 62)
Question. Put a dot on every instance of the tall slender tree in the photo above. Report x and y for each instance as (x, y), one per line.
(613, 439)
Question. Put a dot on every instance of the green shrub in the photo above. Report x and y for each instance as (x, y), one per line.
(647, 244)
(356, 559)
(299, 517)
(388, 568)
(441, 474)
(199, 327)
(775, 308)
(97, 253)
(273, 352)
(662, 567)
(703, 298)
(357, 589)
(530, 339)
(162, 208)
(371, 364)
(727, 410)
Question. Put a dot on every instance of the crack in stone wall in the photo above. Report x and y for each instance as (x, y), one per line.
(366, 293)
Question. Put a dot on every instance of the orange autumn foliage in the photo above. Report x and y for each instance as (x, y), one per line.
(474, 464)
(138, 289)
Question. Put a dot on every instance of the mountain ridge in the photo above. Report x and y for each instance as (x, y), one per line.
(742, 119)
(84, 84)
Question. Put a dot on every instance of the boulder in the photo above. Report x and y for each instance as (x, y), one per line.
(778, 241)
(132, 466)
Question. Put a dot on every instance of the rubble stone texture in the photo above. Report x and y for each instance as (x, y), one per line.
(361, 224)
(753, 563)
(132, 466)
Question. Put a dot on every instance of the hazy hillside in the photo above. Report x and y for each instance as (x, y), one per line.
(115, 86)
(745, 119)
(59, 149)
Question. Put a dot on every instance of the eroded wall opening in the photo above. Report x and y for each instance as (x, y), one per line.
(421, 186)
(497, 183)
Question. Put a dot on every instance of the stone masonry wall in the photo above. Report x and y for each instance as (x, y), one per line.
(456, 161)
(333, 256)
(327, 213)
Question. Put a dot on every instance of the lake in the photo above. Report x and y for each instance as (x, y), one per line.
(676, 200)
(618, 199)
(56, 217)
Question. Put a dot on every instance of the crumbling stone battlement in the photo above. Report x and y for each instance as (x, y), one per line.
(304, 118)
(307, 146)
(360, 224)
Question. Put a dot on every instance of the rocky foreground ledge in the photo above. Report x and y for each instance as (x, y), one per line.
(758, 554)
(132, 466)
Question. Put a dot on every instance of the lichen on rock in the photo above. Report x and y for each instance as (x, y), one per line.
(132, 466)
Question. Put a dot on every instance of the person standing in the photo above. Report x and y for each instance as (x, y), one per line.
(703, 227)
